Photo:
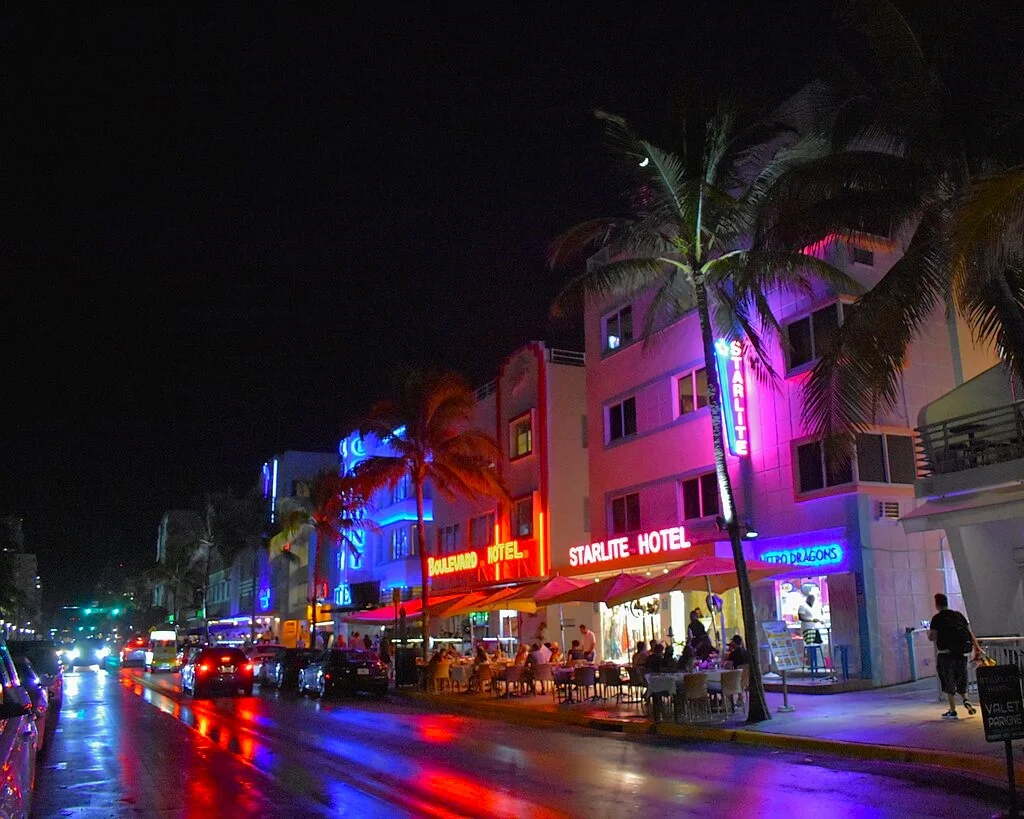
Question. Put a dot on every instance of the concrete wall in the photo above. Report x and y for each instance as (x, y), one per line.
(991, 575)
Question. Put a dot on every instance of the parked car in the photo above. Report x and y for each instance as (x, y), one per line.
(17, 740)
(86, 652)
(133, 652)
(258, 655)
(344, 670)
(40, 699)
(45, 659)
(186, 651)
(217, 669)
(282, 670)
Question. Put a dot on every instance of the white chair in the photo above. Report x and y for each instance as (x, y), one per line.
(440, 679)
(732, 688)
(693, 689)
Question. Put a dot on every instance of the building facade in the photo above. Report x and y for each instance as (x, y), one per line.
(654, 500)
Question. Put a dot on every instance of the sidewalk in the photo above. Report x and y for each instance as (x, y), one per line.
(897, 724)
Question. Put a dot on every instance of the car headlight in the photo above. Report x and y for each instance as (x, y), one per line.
(103, 652)
(71, 654)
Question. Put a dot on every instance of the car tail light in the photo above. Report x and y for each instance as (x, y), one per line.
(247, 668)
(204, 668)
(226, 659)
(327, 676)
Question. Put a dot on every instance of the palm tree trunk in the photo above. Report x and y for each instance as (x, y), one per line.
(758, 710)
(206, 594)
(255, 571)
(421, 545)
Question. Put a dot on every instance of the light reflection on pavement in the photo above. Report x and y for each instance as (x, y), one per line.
(434, 764)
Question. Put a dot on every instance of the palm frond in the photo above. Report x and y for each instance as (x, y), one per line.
(988, 229)
(993, 305)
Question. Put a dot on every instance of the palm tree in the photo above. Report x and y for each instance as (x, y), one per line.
(912, 162)
(427, 426)
(685, 242)
(337, 515)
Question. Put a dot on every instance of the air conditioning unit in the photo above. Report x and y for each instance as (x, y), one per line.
(887, 510)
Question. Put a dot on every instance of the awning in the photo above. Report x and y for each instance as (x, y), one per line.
(599, 591)
(413, 610)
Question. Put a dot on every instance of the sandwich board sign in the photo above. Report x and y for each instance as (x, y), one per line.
(1002, 714)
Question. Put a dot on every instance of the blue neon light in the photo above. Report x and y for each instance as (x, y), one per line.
(403, 516)
(732, 394)
(830, 554)
(264, 599)
(273, 495)
(343, 595)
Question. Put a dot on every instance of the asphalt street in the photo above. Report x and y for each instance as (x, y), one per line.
(125, 749)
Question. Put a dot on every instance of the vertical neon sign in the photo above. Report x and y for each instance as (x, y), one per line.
(733, 382)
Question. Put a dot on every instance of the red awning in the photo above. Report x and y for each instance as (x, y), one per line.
(413, 610)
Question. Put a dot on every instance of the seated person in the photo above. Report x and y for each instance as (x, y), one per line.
(736, 656)
(702, 647)
(656, 662)
(575, 652)
(556, 654)
(540, 654)
(640, 655)
(522, 655)
(685, 662)
(481, 657)
(499, 652)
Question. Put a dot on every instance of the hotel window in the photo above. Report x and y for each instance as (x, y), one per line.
(522, 517)
(622, 420)
(861, 255)
(520, 436)
(402, 489)
(626, 513)
(700, 496)
(810, 336)
(402, 545)
(481, 530)
(693, 391)
(883, 458)
(813, 470)
(448, 539)
(618, 328)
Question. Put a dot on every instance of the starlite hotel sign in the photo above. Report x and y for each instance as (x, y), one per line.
(733, 380)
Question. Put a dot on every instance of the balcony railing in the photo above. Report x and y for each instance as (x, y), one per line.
(570, 357)
(969, 441)
(491, 387)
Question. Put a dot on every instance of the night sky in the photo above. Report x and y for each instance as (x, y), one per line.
(222, 233)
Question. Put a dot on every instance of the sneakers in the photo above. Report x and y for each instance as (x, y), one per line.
(950, 715)
(970, 708)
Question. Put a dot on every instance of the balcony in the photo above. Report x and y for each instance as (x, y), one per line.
(970, 441)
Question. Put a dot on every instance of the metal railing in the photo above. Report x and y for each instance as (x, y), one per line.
(1004, 650)
(570, 357)
(481, 392)
(968, 441)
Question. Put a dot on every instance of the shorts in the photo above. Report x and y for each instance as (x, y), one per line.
(952, 668)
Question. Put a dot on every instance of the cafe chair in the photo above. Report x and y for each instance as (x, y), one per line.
(514, 676)
(440, 679)
(484, 676)
(732, 689)
(660, 687)
(585, 678)
(693, 690)
(609, 676)
(637, 685)
(544, 674)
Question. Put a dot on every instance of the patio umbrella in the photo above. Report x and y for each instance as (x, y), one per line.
(555, 586)
(715, 574)
(413, 611)
(600, 591)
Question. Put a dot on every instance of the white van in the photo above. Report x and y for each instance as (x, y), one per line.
(162, 653)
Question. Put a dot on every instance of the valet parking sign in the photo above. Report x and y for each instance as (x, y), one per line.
(1002, 704)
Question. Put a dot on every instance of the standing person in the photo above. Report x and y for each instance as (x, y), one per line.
(588, 643)
(953, 638)
(695, 630)
(367, 642)
(542, 633)
(809, 622)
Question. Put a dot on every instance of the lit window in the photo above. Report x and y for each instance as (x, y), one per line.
(693, 391)
(626, 514)
(481, 530)
(622, 420)
(520, 436)
(522, 517)
(448, 539)
(810, 336)
(814, 472)
(700, 496)
(618, 328)
(402, 545)
(402, 489)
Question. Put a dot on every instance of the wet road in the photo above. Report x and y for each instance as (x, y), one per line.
(149, 753)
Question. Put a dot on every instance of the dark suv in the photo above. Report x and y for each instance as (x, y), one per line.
(215, 669)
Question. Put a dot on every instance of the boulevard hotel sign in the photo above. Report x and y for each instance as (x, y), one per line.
(486, 565)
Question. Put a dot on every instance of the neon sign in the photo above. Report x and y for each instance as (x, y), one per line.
(830, 554)
(656, 542)
(733, 381)
(264, 599)
(464, 561)
(343, 594)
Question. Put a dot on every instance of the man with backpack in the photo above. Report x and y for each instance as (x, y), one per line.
(952, 635)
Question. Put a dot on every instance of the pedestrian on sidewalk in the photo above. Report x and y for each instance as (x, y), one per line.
(954, 640)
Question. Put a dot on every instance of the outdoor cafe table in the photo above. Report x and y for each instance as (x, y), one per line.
(460, 673)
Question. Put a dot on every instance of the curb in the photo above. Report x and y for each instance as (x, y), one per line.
(988, 767)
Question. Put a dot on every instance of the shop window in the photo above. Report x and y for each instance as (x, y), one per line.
(810, 336)
(693, 391)
(861, 255)
(622, 420)
(700, 496)
(522, 517)
(886, 458)
(520, 436)
(617, 328)
(626, 513)
(402, 543)
(481, 530)
(814, 472)
(448, 539)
